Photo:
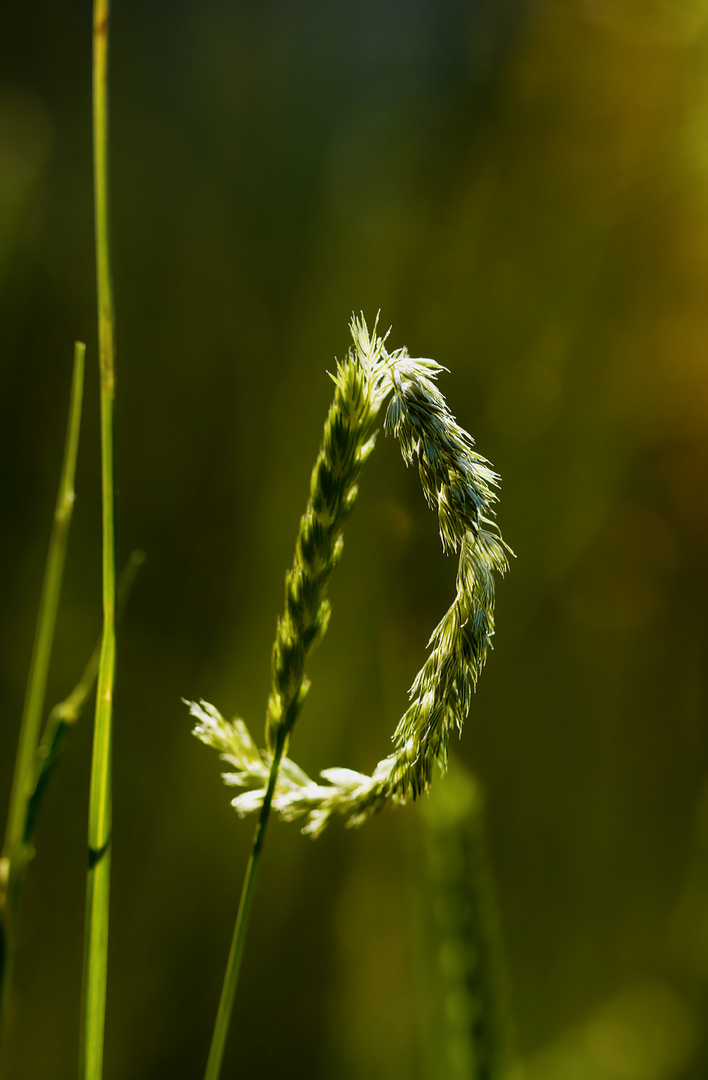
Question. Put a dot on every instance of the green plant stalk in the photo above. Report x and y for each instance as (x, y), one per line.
(16, 852)
(346, 444)
(233, 964)
(99, 826)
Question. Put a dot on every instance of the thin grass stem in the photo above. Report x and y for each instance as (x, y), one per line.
(346, 444)
(16, 852)
(99, 827)
(233, 964)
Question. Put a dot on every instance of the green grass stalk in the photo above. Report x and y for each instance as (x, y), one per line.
(16, 852)
(99, 828)
(233, 964)
(458, 483)
(346, 444)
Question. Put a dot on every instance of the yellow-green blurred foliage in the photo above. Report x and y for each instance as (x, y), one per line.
(522, 187)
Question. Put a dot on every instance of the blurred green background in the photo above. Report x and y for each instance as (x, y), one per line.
(521, 186)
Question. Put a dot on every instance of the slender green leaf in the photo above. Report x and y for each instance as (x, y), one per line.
(16, 853)
(99, 829)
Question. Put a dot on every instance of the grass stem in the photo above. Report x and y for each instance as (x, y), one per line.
(99, 827)
(233, 964)
(16, 852)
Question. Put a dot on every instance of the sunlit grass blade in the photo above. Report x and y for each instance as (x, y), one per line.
(99, 828)
(16, 853)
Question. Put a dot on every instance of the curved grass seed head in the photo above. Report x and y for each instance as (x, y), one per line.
(459, 485)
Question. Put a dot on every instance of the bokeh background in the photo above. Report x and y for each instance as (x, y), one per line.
(521, 187)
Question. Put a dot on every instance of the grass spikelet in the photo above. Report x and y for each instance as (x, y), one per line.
(346, 443)
(460, 486)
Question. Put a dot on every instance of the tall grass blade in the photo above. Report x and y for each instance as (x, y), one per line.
(99, 828)
(16, 852)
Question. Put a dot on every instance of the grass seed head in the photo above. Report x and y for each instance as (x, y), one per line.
(459, 486)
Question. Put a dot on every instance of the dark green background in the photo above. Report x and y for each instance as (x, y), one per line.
(522, 189)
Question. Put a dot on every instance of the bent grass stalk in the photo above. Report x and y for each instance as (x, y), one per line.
(16, 851)
(346, 443)
(458, 484)
(64, 716)
(99, 826)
